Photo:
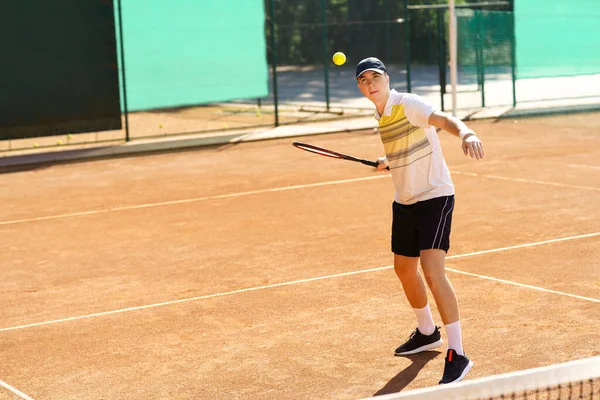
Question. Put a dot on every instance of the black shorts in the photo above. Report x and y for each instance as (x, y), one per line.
(421, 226)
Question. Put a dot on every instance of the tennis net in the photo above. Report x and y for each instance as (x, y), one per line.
(578, 379)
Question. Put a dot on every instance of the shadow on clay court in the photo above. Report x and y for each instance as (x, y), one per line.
(22, 168)
(408, 374)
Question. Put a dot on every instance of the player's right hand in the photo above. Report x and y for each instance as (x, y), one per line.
(381, 165)
(472, 146)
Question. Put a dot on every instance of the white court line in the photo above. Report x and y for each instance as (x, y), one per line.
(193, 200)
(504, 178)
(329, 277)
(15, 391)
(554, 164)
(279, 189)
(583, 166)
(541, 289)
(521, 246)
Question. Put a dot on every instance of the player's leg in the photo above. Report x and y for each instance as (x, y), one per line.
(406, 262)
(434, 242)
(435, 222)
(427, 335)
(406, 269)
(456, 363)
(433, 265)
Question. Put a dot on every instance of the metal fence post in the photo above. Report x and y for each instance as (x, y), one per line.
(441, 54)
(388, 31)
(513, 54)
(325, 51)
(125, 112)
(274, 60)
(481, 46)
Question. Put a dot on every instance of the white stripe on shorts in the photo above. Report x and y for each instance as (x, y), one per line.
(433, 246)
(443, 226)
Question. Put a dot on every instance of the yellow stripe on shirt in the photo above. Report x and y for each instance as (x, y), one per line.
(403, 142)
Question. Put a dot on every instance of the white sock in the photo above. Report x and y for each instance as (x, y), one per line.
(424, 320)
(455, 338)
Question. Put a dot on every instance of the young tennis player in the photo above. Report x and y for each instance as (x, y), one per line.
(422, 210)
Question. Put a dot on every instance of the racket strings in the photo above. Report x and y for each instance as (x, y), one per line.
(317, 150)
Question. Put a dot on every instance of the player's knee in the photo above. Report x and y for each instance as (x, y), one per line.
(434, 280)
(405, 271)
(429, 279)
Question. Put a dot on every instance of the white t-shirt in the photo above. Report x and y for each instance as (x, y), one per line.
(413, 151)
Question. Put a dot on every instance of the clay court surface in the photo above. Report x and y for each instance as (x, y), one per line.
(258, 271)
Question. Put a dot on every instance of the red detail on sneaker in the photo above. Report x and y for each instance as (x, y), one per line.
(450, 352)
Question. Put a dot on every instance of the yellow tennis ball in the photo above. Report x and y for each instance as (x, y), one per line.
(339, 58)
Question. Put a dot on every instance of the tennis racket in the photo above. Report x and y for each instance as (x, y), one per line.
(333, 154)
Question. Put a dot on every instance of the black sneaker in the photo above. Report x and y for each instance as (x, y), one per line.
(456, 367)
(417, 342)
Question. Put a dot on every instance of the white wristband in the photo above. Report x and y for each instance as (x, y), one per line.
(465, 132)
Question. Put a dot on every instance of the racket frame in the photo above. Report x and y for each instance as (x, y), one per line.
(333, 154)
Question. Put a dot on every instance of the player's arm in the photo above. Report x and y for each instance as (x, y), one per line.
(471, 144)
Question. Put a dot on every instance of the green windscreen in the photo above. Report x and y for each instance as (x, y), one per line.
(180, 53)
(58, 73)
(557, 37)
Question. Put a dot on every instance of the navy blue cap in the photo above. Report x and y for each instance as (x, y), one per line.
(370, 64)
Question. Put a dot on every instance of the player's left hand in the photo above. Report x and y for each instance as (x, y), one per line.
(472, 146)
